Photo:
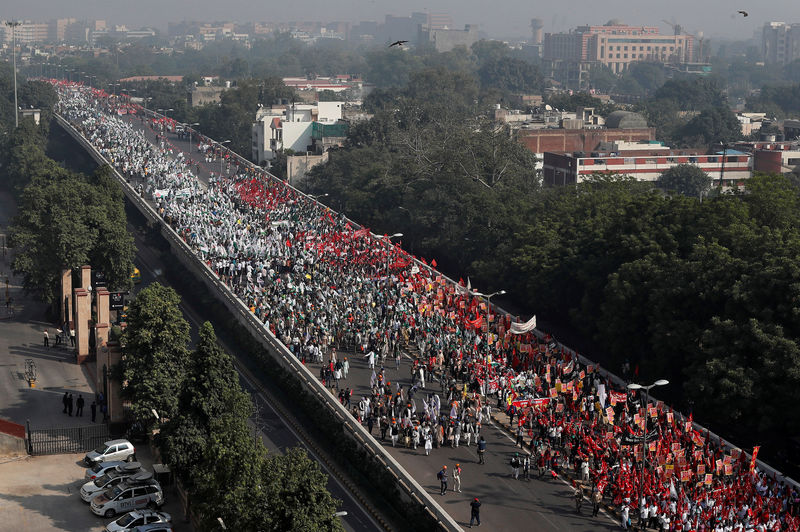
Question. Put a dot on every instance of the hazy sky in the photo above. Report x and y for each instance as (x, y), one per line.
(717, 18)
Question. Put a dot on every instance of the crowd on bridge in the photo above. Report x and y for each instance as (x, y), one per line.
(331, 290)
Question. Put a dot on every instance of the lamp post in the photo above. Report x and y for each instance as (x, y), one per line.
(221, 158)
(634, 386)
(488, 306)
(388, 250)
(189, 130)
(13, 25)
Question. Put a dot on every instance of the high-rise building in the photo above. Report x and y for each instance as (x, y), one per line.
(780, 42)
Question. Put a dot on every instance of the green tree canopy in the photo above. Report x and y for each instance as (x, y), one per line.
(155, 355)
(686, 179)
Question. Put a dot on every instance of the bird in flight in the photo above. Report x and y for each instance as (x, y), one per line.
(744, 13)
(397, 43)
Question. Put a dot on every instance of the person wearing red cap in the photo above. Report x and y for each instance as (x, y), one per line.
(475, 512)
(457, 478)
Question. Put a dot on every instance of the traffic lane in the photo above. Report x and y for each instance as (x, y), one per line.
(507, 504)
(273, 431)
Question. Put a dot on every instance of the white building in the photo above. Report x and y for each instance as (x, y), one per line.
(290, 127)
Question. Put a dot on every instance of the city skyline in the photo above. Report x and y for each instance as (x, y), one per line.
(715, 18)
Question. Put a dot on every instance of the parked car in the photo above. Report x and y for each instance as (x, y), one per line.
(100, 468)
(131, 520)
(139, 491)
(93, 488)
(111, 450)
(155, 527)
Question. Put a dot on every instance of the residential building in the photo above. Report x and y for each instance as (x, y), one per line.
(773, 156)
(298, 127)
(780, 42)
(645, 162)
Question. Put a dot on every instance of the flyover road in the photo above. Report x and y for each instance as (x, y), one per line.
(545, 505)
(274, 429)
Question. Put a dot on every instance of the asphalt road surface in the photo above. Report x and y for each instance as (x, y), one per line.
(544, 505)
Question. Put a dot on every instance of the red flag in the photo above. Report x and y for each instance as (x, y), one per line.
(433, 263)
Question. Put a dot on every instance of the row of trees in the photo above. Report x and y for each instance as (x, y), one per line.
(205, 435)
(65, 219)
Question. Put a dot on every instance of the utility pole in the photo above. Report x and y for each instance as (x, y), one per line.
(13, 25)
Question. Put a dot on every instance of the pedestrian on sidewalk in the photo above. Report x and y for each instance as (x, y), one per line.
(597, 498)
(79, 404)
(72, 337)
(46, 338)
(442, 476)
(69, 404)
(93, 408)
(481, 450)
(475, 512)
(457, 478)
(65, 401)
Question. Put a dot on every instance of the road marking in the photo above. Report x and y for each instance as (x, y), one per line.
(548, 520)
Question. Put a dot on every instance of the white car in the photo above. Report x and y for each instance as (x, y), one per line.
(111, 450)
(139, 491)
(131, 520)
(112, 477)
(100, 469)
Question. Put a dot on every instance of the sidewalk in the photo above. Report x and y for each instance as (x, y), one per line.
(21, 339)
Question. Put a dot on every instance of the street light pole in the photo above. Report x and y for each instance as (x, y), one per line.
(388, 251)
(221, 157)
(634, 386)
(13, 25)
(488, 306)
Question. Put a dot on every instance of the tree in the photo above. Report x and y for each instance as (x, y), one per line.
(686, 179)
(155, 357)
(65, 221)
(510, 74)
(210, 390)
(713, 125)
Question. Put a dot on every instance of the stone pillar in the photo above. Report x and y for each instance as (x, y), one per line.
(108, 356)
(83, 310)
(66, 296)
(86, 276)
(103, 326)
(103, 310)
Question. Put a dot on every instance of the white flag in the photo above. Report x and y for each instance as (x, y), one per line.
(522, 328)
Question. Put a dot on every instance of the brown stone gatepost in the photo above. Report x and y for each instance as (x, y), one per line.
(86, 276)
(83, 309)
(66, 296)
(103, 324)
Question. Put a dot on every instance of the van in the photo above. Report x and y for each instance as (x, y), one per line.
(137, 492)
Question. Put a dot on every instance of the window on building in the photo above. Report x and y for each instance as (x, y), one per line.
(713, 159)
(641, 48)
(793, 162)
(625, 56)
(617, 56)
(629, 160)
(693, 160)
(626, 48)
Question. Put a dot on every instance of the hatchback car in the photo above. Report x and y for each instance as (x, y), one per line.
(111, 450)
(139, 491)
(93, 488)
(136, 518)
(100, 469)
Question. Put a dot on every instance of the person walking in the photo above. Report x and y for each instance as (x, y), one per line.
(93, 408)
(442, 476)
(597, 498)
(69, 404)
(515, 466)
(578, 498)
(46, 338)
(475, 512)
(65, 401)
(526, 466)
(457, 478)
(79, 405)
(481, 450)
